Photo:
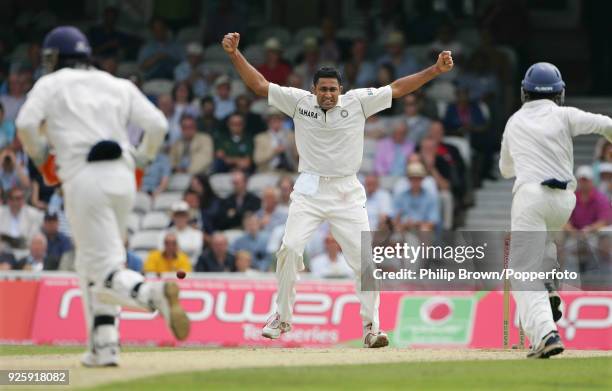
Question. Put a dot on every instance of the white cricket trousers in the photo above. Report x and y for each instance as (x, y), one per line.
(98, 200)
(341, 202)
(536, 209)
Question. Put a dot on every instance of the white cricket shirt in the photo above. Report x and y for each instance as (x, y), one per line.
(82, 107)
(329, 144)
(537, 143)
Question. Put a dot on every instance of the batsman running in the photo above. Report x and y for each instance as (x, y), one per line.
(329, 133)
(86, 112)
(537, 149)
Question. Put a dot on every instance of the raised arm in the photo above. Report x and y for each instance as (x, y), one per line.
(407, 84)
(249, 75)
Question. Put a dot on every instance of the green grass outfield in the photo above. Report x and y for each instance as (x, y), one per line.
(568, 374)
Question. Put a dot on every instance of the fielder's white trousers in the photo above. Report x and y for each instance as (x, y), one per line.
(536, 209)
(341, 202)
(98, 200)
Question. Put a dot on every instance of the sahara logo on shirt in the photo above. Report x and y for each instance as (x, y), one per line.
(308, 113)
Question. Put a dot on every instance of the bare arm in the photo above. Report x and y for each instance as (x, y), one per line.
(408, 84)
(249, 75)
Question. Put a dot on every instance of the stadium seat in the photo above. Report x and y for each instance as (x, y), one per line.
(232, 235)
(222, 184)
(190, 34)
(179, 182)
(292, 52)
(260, 106)
(133, 223)
(142, 202)
(388, 182)
(155, 220)
(143, 255)
(145, 240)
(350, 34)
(258, 182)
(280, 33)
(463, 146)
(157, 87)
(165, 200)
(441, 90)
(305, 32)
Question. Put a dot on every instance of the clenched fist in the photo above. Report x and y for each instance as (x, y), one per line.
(230, 42)
(445, 62)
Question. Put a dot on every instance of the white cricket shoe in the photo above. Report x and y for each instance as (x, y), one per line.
(108, 357)
(165, 299)
(374, 340)
(274, 328)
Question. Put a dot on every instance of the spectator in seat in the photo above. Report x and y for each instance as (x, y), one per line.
(7, 130)
(330, 46)
(183, 100)
(234, 150)
(593, 211)
(375, 127)
(15, 97)
(193, 152)
(13, 173)
(37, 260)
(169, 259)
(310, 62)
(441, 171)
(106, 40)
(7, 260)
(19, 222)
(274, 69)
(190, 239)
(451, 155)
(254, 123)
(379, 203)
(605, 179)
(244, 261)
(416, 209)
(417, 123)
(193, 70)
(133, 261)
(402, 60)
(271, 214)
(330, 264)
(217, 259)
(446, 40)
(209, 201)
(57, 242)
(364, 70)
(159, 56)
(157, 174)
(392, 152)
(207, 123)
(165, 103)
(233, 208)
(285, 185)
(254, 241)
(224, 103)
(275, 149)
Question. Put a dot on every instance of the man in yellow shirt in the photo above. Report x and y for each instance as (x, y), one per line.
(170, 259)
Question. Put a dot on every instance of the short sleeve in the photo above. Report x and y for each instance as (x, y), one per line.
(285, 98)
(373, 100)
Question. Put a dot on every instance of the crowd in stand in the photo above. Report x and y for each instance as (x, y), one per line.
(423, 157)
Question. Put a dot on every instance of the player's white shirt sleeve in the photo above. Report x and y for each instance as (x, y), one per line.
(30, 117)
(581, 122)
(373, 100)
(285, 98)
(144, 114)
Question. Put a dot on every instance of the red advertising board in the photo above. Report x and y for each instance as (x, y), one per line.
(231, 312)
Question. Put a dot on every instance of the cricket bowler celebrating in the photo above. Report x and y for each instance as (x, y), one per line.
(86, 112)
(537, 149)
(329, 132)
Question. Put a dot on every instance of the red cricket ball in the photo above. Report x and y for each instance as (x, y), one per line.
(180, 274)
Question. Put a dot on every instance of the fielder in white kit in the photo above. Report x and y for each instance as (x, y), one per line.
(537, 149)
(86, 113)
(329, 133)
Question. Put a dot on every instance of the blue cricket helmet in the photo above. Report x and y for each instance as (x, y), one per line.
(543, 78)
(68, 41)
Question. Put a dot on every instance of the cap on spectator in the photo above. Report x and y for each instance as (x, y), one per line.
(180, 207)
(272, 43)
(51, 216)
(310, 44)
(395, 38)
(585, 172)
(416, 170)
(605, 168)
(273, 112)
(223, 79)
(194, 49)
